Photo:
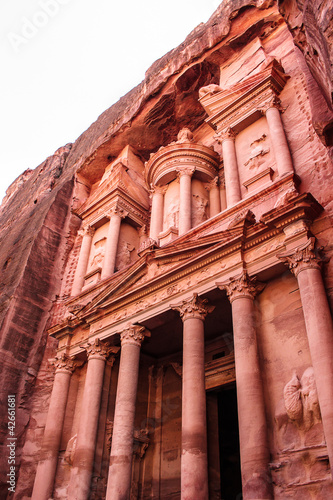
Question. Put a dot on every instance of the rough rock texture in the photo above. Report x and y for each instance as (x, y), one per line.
(37, 228)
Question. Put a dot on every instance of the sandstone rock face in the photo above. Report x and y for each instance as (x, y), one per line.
(186, 197)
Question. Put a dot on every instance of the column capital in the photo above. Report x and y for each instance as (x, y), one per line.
(241, 287)
(227, 134)
(99, 349)
(185, 171)
(117, 211)
(157, 190)
(304, 257)
(134, 335)
(214, 183)
(273, 102)
(63, 363)
(86, 230)
(195, 307)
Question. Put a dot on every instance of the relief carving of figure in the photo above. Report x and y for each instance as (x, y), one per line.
(301, 400)
(124, 254)
(257, 152)
(172, 217)
(70, 450)
(98, 256)
(199, 205)
(184, 135)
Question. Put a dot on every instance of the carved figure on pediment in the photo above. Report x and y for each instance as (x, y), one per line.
(210, 90)
(199, 206)
(258, 151)
(70, 450)
(184, 135)
(172, 217)
(124, 254)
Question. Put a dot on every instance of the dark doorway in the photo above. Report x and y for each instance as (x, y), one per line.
(230, 473)
(223, 445)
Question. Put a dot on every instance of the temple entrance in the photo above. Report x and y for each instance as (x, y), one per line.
(223, 444)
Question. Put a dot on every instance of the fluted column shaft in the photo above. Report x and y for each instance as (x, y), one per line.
(157, 209)
(305, 265)
(120, 471)
(232, 185)
(47, 466)
(254, 450)
(82, 264)
(279, 142)
(112, 243)
(79, 485)
(194, 467)
(185, 199)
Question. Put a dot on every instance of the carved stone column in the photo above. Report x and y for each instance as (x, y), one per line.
(112, 242)
(79, 485)
(222, 191)
(233, 192)
(47, 464)
(185, 199)
(254, 450)
(157, 210)
(278, 138)
(81, 269)
(304, 263)
(194, 468)
(119, 480)
(214, 197)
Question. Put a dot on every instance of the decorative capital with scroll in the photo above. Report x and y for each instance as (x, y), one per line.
(242, 287)
(63, 363)
(134, 335)
(86, 230)
(185, 171)
(195, 307)
(99, 349)
(303, 257)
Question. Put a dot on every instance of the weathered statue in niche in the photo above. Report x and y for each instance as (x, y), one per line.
(98, 255)
(257, 153)
(172, 216)
(199, 206)
(124, 254)
(298, 419)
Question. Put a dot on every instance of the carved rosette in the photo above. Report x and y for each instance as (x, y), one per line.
(193, 308)
(185, 171)
(86, 231)
(134, 335)
(242, 287)
(63, 364)
(99, 350)
(302, 258)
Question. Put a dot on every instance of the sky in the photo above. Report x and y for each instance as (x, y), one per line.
(65, 61)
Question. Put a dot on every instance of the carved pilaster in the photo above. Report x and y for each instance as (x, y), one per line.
(303, 257)
(99, 349)
(194, 307)
(134, 335)
(242, 286)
